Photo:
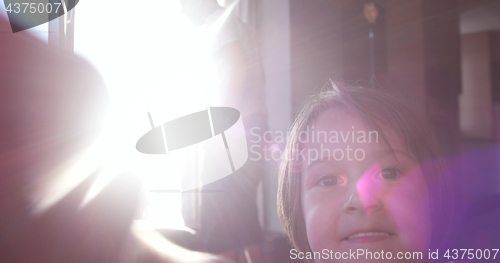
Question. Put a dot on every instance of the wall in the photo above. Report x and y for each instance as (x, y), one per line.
(274, 39)
(315, 45)
(417, 54)
(476, 118)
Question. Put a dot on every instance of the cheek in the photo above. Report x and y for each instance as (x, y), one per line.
(321, 220)
(408, 205)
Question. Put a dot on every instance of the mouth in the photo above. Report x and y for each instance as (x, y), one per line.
(368, 237)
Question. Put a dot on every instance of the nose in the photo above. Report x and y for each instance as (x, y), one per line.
(357, 204)
(366, 194)
(353, 203)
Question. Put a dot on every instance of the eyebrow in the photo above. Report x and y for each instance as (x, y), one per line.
(314, 163)
(395, 152)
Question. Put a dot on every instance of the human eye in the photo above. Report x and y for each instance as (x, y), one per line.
(390, 173)
(329, 180)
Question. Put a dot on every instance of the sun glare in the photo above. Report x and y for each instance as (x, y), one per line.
(151, 60)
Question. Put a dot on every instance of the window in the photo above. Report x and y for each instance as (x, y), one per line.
(147, 55)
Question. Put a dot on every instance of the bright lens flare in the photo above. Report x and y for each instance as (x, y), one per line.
(151, 61)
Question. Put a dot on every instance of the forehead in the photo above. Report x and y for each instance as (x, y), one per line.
(338, 128)
(337, 119)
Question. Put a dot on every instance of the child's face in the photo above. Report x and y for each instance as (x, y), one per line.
(378, 202)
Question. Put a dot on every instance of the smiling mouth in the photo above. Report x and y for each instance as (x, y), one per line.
(368, 237)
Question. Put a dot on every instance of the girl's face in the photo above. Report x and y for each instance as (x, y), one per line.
(360, 193)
